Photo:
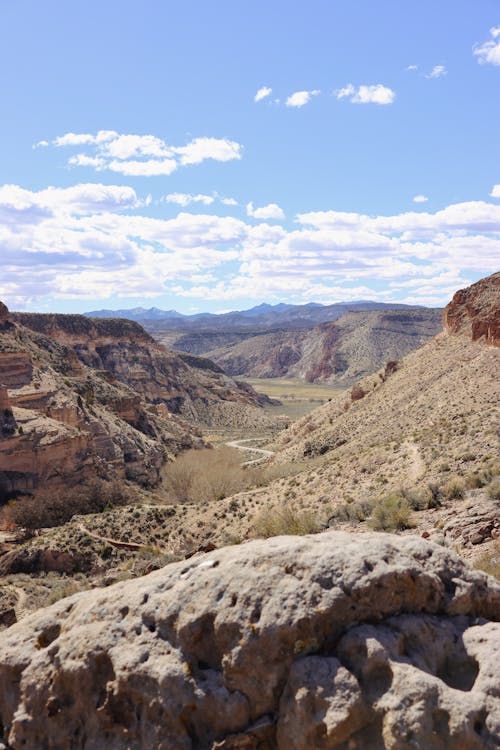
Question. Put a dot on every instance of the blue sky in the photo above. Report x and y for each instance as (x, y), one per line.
(137, 167)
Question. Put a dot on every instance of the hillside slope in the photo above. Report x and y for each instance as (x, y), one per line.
(337, 352)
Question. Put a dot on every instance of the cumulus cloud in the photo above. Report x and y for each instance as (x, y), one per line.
(438, 71)
(262, 93)
(271, 211)
(185, 199)
(489, 52)
(199, 149)
(374, 94)
(411, 68)
(300, 98)
(495, 191)
(89, 239)
(148, 168)
(142, 155)
(420, 199)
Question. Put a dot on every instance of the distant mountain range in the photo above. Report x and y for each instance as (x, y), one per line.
(261, 316)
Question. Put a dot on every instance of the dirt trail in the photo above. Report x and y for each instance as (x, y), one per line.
(20, 608)
(263, 452)
(417, 464)
(107, 540)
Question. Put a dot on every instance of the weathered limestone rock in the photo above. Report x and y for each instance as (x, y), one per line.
(295, 643)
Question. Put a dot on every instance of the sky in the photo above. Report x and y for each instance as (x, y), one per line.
(212, 155)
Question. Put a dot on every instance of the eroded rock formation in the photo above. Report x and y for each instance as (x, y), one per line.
(189, 386)
(332, 641)
(475, 311)
(63, 423)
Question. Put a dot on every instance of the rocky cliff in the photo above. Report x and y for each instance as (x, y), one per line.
(192, 388)
(63, 422)
(475, 311)
(333, 641)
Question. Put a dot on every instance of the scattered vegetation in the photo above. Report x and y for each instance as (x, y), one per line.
(56, 509)
(493, 489)
(454, 489)
(391, 513)
(205, 475)
(285, 519)
(489, 562)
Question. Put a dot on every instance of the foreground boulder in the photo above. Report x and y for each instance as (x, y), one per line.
(353, 642)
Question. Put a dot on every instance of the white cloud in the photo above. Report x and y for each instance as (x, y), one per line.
(438, 71)
(374, 94)
(489, 52)
(271, 211)
(495, 191)
(82, 160)
(411, 68)
(149, 168)
(143, 155)
(300, 98)
(420, 199)
(262, 93)
(89, 239)
(185, 199)
(199, 149)
(128, 146)
(78, 199)
(229, 201)
(80, 139)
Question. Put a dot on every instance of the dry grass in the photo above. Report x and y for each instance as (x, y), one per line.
(290, 388)
(285, 519)
(454, 489)
(489, 562)
(391, 513)
(205, 475)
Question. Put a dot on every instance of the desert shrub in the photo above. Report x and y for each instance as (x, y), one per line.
(454, 489)
(417, 499)
(210, 474)
(493, 489)
(489, 562)
(354, 511)
(434, 495)
(391, 513)
(474, 481)
(285, 519)
(55, 509)
(357, 393)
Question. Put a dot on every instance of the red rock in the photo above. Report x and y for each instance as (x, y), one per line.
(475, 312)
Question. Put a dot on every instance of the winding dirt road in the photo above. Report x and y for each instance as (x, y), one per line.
(263, 452)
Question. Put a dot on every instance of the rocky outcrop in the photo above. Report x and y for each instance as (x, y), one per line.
(333, 641)
(188, 386)
(475, 312)
(16, 369)
(63, 423)
(7, 421)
